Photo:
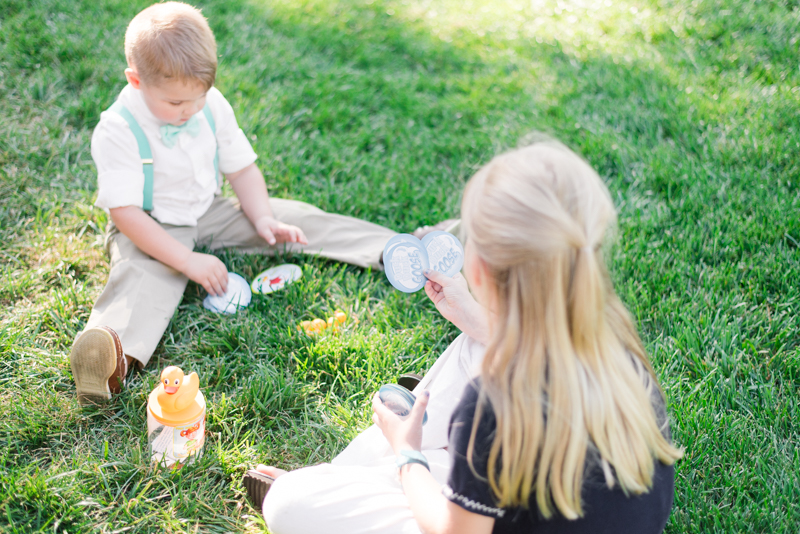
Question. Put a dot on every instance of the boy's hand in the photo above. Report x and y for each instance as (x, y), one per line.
(208, 271)
(273, 231)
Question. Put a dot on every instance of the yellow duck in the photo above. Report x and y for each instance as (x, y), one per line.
(176, 392)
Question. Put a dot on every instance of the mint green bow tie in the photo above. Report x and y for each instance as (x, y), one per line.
(169, 133)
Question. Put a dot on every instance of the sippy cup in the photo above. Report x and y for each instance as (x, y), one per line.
(399, 400)
(176, 418)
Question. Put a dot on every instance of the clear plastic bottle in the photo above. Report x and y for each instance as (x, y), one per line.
(176, 419)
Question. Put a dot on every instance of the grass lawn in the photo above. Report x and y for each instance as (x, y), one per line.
(382, 109)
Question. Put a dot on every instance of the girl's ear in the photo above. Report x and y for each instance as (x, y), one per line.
(481, 271)
(477, 272)
(133, 78)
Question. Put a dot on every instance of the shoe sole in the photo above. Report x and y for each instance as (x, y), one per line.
(257, 485)
(93, 360)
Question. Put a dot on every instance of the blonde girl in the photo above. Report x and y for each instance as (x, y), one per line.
(565, 429)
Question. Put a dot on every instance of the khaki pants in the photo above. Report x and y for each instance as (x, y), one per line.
(142, 293)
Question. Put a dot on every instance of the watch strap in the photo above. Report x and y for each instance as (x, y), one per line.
(411, 457)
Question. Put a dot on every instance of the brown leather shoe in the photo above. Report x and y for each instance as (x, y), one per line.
(98, 365)
(444, 226)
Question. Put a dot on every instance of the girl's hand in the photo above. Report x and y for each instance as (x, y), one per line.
(402, 434)
(456, 304)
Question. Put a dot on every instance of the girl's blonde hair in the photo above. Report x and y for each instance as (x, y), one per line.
(565, 370)
(172, 41)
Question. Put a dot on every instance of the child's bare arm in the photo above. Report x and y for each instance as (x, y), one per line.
(433, 512)
(249, 186)
(153, 240)
(456, 304)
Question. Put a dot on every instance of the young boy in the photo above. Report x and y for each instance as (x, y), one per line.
(161, 151)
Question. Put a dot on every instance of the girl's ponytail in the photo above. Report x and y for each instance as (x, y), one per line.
(586, 299)
(565, 369)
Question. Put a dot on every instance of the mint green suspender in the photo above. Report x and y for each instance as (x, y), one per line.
(147, 155)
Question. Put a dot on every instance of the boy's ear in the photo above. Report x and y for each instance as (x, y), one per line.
(133, 78)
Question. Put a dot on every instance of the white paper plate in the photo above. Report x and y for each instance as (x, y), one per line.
(238, 296)
(276, 278)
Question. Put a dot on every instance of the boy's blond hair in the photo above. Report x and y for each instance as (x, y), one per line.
(171, 41)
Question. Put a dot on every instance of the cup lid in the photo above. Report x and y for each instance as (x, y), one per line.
(187, 415)
(405, 260)
(445, 253)
(392, 394)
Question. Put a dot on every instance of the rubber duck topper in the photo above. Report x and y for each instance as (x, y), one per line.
(177, 391)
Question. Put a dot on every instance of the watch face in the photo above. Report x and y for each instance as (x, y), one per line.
(399, 400)
(236, 297)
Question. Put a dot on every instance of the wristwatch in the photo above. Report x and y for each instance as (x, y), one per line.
(411, 457)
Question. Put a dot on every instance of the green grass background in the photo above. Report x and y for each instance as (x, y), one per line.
(382, 109)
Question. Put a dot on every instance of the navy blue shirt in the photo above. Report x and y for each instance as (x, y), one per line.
(605, 510)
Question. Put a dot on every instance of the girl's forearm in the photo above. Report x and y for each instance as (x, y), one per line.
(433, 512)
(425, 498)
(477, 325)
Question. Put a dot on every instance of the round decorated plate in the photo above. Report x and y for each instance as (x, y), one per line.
(276, 278)
(405, 261)
(236, 297)
(445, 253)
(399, 400)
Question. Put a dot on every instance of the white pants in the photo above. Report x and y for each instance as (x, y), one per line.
(359, 492)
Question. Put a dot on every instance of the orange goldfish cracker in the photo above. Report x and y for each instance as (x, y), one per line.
(318, 325)
(312, 327)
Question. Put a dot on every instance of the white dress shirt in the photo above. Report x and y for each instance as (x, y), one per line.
(184, 184)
